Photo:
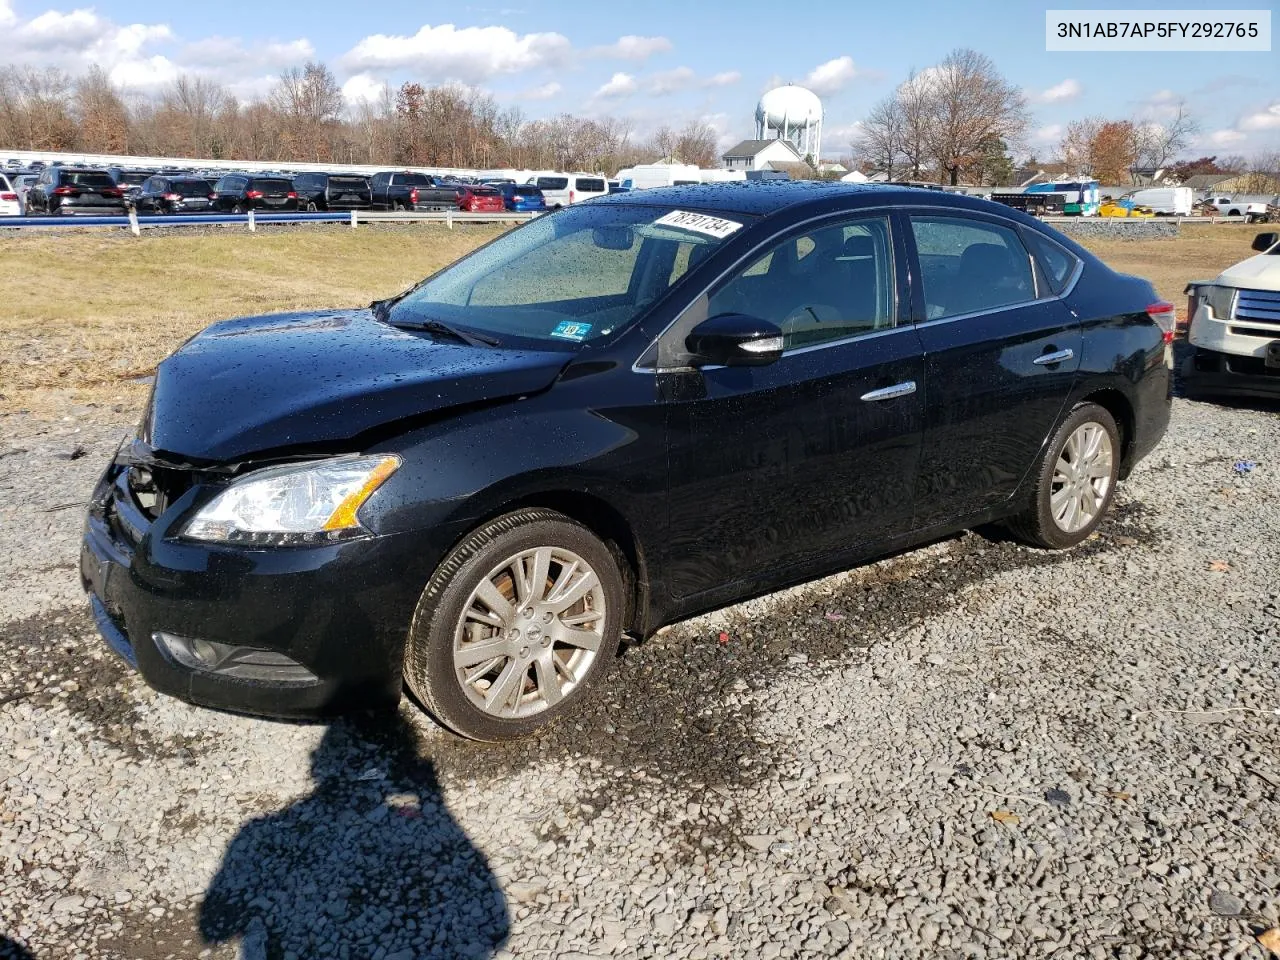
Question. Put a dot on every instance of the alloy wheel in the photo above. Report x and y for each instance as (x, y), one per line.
(1081, 477)
(529, 632)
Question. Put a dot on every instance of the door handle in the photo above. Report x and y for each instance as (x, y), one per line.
(888, 393)
(1057, 356)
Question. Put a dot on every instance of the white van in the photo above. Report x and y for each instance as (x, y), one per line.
(562, 189)
(1169, 201)
(645, 175)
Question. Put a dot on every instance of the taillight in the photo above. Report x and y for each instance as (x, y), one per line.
(1165, 317)
(213, 196)
(173, 196)
(8, 196)
(111, 192)
(253, 194)
(65, 191)
(571, 196)
(292, 195)
(413, 195)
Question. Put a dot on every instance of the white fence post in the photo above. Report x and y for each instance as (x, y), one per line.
(448, 219)
(252, 227)
(353, 219)
(133, 221)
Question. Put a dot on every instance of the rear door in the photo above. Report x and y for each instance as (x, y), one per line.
(348, 193)
(1001, 355)
(274, 193)
(93, 189)
(813, 457)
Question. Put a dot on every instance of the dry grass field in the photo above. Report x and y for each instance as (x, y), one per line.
(86, 314)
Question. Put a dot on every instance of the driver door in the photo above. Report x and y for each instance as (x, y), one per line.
(781, 468)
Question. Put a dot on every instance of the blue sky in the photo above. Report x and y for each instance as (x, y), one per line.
(663, 62)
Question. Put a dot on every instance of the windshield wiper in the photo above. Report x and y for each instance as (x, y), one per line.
(441, 329)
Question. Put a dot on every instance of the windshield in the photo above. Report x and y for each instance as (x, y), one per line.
(572, 277)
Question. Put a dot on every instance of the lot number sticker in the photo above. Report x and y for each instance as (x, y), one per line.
(716, 227)
(570, 330)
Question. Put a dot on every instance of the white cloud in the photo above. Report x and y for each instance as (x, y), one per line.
(1222, 138)
(229, 54)
(1063, 92)
(671, 81)
(544, 92)
(636, 49)
(7, 16)
(466, 54)
(1049, 135)
(832, 77)
(725, 79)
(363, 88)
(619, 85)
(1266, 119)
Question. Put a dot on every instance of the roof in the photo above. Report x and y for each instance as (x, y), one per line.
(1202, 181)
(798, 169)
(749, 148)
(764, 197)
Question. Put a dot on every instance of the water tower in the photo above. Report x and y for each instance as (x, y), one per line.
(791, 113)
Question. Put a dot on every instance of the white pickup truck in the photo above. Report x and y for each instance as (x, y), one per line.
(1235, 328)
(1238, 208)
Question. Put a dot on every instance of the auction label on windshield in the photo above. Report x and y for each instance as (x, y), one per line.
(717, 227)
(1141, 31)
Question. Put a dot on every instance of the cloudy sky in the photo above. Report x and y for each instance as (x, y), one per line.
(663, 62)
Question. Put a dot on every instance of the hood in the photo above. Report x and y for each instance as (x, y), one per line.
(261, 383)
(1257, 273)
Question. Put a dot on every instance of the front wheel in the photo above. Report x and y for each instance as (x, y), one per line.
(1075, 482)
(515, 626)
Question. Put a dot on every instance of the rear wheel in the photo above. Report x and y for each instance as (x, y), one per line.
(311, 207)
(238, 208)
(1075, 482)
(515, 626)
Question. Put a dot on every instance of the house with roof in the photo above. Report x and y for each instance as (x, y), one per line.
(761, 155)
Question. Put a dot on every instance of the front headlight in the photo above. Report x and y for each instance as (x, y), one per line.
(298, 504)
(1220, 300)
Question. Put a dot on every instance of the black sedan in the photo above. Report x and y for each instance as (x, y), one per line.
(609, 419)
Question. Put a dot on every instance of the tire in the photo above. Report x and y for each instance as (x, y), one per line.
(1234, 213)
(525, 656)
(311, 207)
(1039, 525)
(237, 208)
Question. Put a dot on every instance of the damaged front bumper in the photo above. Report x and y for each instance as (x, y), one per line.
(279, 631)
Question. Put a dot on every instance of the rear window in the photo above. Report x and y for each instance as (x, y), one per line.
(591, 186)
(527, 191)
(413, 179)
(348, 183)
(553, 183)
(190, 188)
(271, 186)
(89, 179)
(485, 191)
(134, 177)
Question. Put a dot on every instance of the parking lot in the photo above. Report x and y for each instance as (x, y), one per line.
(974, 749)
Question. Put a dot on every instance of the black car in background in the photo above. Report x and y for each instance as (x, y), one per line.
(242, 192)
(75, 190)
(606, 420)
(333, 191)
(174, 195)
(393, 190)
(130, 181)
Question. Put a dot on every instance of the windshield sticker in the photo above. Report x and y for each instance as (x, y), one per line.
(571, 330)
(717, 227)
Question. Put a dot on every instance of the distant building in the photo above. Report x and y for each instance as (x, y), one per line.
(760, 155)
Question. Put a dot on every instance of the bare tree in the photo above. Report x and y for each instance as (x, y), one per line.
(101, 114)
(696, 144)
(310, 104)
(971, 102)
(882, 140)
(1156, 143)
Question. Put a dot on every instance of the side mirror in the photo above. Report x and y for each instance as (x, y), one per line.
(1265, 241)
(735, 340)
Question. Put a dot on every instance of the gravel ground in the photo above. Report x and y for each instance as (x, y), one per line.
(970, 750)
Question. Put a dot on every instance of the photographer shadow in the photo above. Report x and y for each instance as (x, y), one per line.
(12, 950)
(370, 861)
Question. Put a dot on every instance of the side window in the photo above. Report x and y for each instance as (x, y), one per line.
(823, 285)
(967, 266)
(1057, 263)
